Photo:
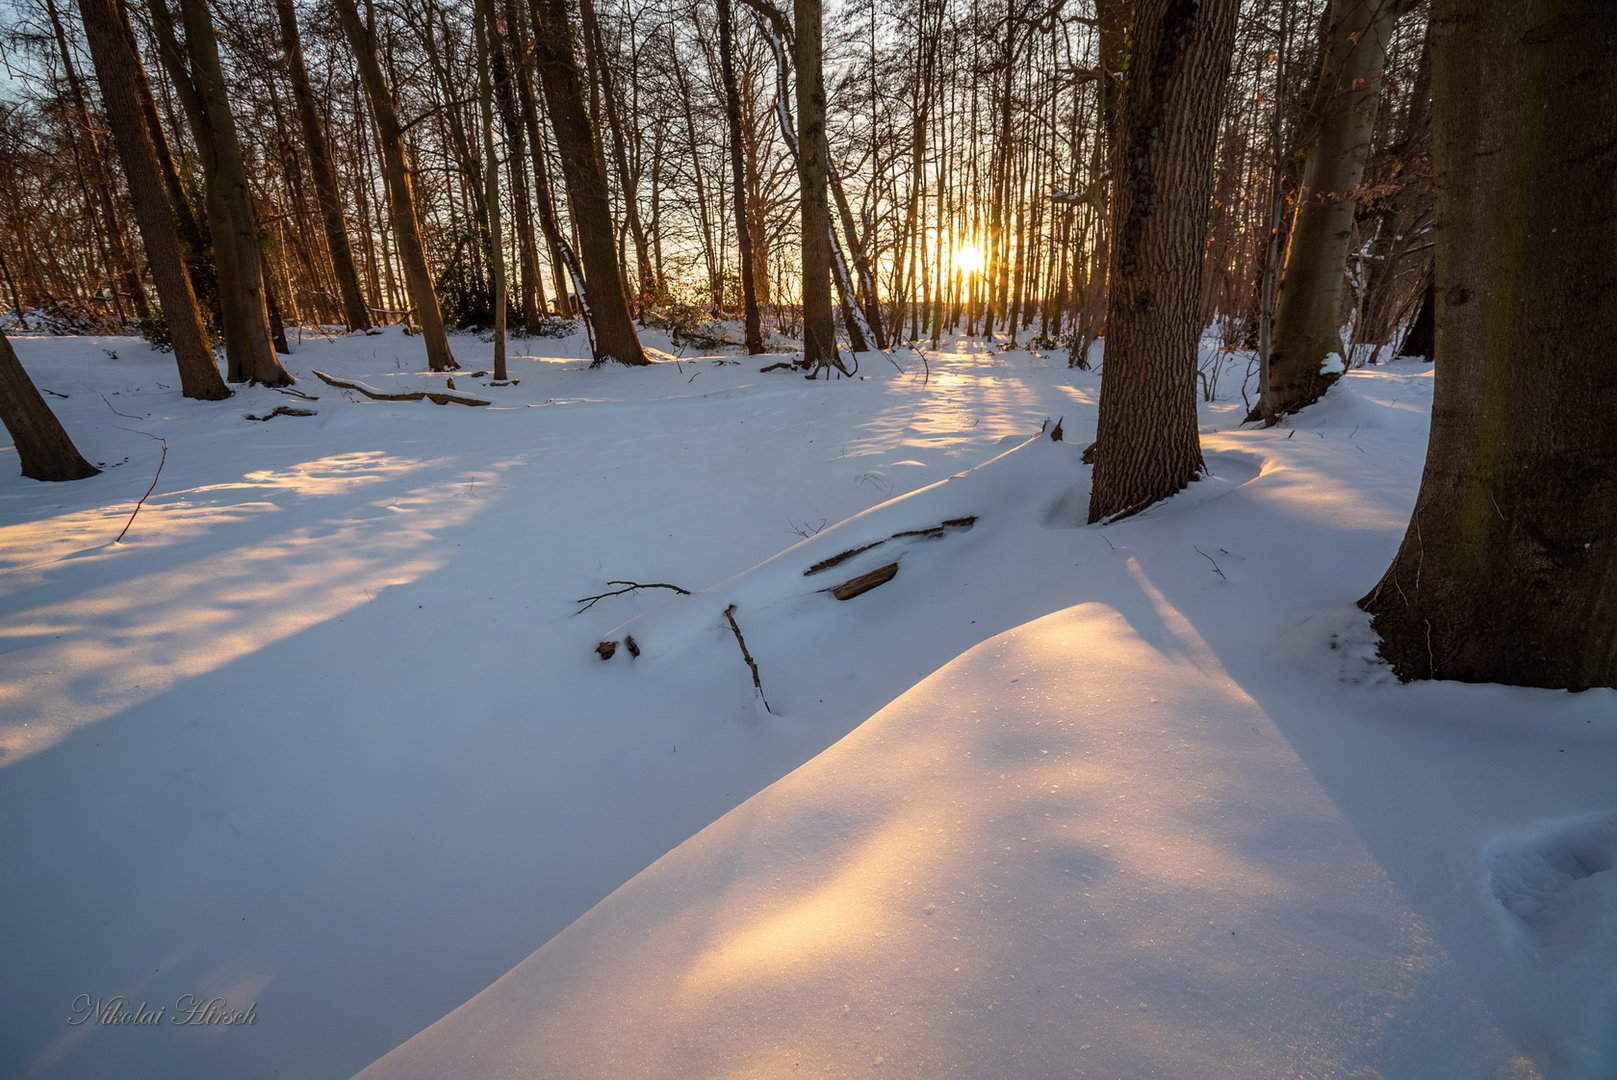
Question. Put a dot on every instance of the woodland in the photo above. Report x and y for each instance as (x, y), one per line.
(1208, 403)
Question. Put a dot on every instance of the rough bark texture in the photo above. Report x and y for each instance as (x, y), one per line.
(738, 177)
(355, 313)
(1508, 572)
(819, 327)
(400, 188)
(117, 66)
(1308, 311)
(584, 169)
(242, 301)
(1148, 447)
(42, 444)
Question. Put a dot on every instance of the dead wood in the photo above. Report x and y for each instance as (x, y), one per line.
(282, 410)
(864, 582)
(629, 587)
(437, 397)
(752, 665)
(605, 649)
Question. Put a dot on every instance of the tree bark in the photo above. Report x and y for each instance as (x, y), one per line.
(118, 67)
(483, 16)
(819, 327)
(332, 219)
(1508, 572)
(43, 446)
(1308, 310)
(738, 179)
(584, 169)
(232, 224)
(400, 188)
(1147, 445)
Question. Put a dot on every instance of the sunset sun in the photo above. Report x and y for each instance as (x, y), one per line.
(968, 258)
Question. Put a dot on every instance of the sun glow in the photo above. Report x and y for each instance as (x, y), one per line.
(968, 259)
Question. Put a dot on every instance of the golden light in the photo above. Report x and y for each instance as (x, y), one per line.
(968, 258)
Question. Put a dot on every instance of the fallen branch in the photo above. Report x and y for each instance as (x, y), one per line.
(864, 582)
(1209, 558)
(125, 415)
(781, 366)
(437, 397)
(292, 392)
(281, 410)
(160, 462)
(752, 665)
(629, 587)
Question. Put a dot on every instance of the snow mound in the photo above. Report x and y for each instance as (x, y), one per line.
(1556, 882)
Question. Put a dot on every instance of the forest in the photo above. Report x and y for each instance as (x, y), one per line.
(714, 537)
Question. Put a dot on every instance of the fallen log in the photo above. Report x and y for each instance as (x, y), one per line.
(864, 582)
(437, 397)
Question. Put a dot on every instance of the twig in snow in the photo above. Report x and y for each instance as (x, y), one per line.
(160, 462)
(752, 665)
(291, 392)
(629, 587)
(124, 414)
(53, 393)
(1209, 558)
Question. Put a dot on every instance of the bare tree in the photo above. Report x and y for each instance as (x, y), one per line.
(42, 444)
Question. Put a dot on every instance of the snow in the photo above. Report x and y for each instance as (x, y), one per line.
(325, 736)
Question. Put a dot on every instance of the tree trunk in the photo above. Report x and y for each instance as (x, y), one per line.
(43, 446)
(355, 313)
(738, 179)
(1308, 311)
(1147, 445)
(400, 188)
(584, 170)
(117, 65)
(1508, 572)
(234, 228)
(483, 17)
(1422, 334)
(819, 327)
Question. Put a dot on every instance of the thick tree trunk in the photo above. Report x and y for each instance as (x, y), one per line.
(400, 188)
(1508, 572)
(819, 327)
(355, 312)
(738, 179)
(43, 446)
(584, 169)
(117, 65)
(1308, 311)
(1147, 446)
(242, 302)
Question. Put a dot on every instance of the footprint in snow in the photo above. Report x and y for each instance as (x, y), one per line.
(1556, 883)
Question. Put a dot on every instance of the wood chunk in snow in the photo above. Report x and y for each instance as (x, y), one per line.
(864, 582)
(606, 649)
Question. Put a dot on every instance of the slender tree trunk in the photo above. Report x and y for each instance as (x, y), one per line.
(355, 313)
(584, 169)
(1508, 572)
(1308, 311)
(738, 179)
(819, 327)
(483, 17)
(117, 65)
(1147, 445)
(43, 446)
(1422, 334)
(400, 188)
(123, 262)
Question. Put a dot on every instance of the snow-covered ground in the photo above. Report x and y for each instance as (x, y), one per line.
(324, 736)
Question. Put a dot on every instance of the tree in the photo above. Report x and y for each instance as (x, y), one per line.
(43, 445)
(1508, 571)
(123, 89)
(819, 326)
(401, 202)
(1308, 313)
(584, 170)
(1147, 446)
(332, 220)
(738, 178)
